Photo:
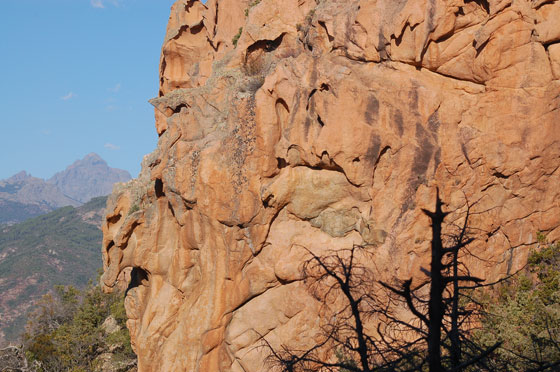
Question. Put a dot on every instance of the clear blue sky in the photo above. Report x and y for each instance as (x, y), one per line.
(75, 77)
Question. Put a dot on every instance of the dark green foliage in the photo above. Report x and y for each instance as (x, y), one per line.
(237, 36)
(12, 211)
(65, 331)
(94, 204)
(525, 315)
(133, 209)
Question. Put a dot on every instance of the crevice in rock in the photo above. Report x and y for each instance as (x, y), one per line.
(109, 246)
(170, 207)
(309, 98)
(189, 5)
(540, 3)
(547, 45)
(189, 205)
(282, 112)
(158, 188)
(381, 154)
(464, 151)
(324, 26)
(422, 68)
(479, 48)
(283, 103)
(500, 175)
(180, 32)
(320, 121)
(332, 166)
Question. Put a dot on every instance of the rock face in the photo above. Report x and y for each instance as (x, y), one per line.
(295, 125)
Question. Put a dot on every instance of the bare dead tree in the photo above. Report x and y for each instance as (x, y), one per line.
(447, 320)
(435, 335)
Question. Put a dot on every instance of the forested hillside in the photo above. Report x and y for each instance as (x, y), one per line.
(58, 248)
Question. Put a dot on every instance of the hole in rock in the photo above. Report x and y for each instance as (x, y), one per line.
(325, 87)
(265, 45)
(138, 276)
(281, 163)
(196, 29)
(159, 188)
(114, 219)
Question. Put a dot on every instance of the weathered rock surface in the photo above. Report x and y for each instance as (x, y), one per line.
(329, 124)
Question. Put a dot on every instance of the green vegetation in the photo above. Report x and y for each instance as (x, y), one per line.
(58, 248)
(251, 4)
(68, 331)
(13, 212)
(236, 37)
(133, 209)
(525, 315)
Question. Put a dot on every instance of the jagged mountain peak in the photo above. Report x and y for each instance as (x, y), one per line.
(88, 177)
(18, 177)
(23, 196)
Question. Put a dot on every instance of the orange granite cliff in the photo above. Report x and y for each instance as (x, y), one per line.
(288, 126)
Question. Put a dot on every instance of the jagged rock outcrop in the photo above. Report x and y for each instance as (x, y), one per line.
(295, 125)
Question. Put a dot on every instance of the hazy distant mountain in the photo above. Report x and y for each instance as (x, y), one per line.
(61, 247)
(88, 178)
(23, 196)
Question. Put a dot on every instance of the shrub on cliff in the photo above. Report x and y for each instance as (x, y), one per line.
(67, 331)
(525, 315)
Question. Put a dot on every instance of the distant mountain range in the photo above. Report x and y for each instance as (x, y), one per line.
(23, 196)
(60, 247)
